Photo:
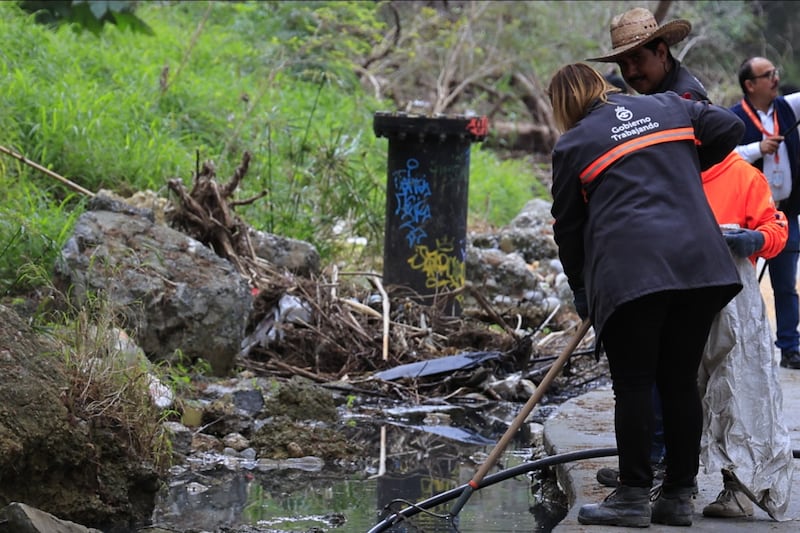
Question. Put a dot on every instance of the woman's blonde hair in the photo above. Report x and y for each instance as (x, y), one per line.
(573, 89)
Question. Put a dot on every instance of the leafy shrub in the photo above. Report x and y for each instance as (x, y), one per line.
(86, 14)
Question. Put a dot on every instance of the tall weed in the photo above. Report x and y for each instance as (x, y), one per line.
(110, 381)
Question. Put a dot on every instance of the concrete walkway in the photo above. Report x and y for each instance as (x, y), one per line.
(587, 422)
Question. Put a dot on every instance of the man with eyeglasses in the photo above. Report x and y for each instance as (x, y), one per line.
(767, 146)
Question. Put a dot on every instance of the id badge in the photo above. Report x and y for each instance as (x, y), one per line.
(776, 178)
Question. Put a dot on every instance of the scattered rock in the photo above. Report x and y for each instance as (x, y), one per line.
(235, 441)
(298, 257)
(21, 518)
(283, 439)
(301, 399)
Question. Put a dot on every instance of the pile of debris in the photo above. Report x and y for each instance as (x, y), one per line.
(342, 327)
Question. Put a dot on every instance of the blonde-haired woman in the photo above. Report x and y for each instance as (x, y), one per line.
(647, 263)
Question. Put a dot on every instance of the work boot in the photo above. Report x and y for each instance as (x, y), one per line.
(790, 359)
(673, 506)
(625, 506)
(730, 502)
(609, 477)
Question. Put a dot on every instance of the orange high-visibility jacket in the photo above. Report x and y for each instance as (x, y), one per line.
(738, 193)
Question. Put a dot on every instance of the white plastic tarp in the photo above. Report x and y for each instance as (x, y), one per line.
(743, 428)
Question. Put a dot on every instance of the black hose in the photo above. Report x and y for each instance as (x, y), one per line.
(503, 475)
(452, 494)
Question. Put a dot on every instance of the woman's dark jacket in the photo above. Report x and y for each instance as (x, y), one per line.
(640, 222)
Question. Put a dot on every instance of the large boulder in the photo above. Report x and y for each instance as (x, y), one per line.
(173, 292)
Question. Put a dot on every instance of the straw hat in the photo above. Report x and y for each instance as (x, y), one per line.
(637, 27)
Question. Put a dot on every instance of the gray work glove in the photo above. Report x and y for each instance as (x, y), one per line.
(744, 242)
(581, 303)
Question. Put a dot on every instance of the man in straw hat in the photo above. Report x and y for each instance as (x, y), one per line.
(640, 47)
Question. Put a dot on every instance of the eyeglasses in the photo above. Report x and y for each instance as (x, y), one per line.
(770, 75)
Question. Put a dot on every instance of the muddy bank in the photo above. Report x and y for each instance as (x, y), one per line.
(81, 470)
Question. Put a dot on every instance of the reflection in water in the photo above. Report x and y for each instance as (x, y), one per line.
(501, 507)
(204, 501)
(417, 466)
(412, 487)
(291, 503)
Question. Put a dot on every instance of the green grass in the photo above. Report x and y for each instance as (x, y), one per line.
(498, 189)
(128, 112)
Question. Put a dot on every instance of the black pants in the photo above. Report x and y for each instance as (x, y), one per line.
(659, 338)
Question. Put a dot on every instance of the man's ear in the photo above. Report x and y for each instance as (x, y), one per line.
(662, 50)
(749, 85)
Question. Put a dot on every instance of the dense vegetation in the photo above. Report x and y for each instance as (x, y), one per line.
(296, 84)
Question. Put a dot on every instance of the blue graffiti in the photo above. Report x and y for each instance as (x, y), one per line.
(414, 235)
(411, 194)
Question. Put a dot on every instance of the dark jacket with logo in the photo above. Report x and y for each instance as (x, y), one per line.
(631, 217)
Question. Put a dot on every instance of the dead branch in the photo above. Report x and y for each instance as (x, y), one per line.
(248, 201)
(72, 185)
(383, 50)
(534, 97)
(445, 92)
(206, 214)
(386, 310)
(238, 174)
(489, 309)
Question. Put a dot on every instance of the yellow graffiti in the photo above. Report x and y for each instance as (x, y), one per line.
(442, 270)
(430, 485)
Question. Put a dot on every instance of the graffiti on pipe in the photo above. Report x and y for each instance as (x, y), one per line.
(441, 268)
(479, 127)
(411, 195)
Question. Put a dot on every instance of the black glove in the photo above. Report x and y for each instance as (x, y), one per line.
(581, 303)
(744, 242)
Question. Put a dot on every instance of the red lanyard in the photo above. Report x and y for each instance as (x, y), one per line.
(760, 126)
